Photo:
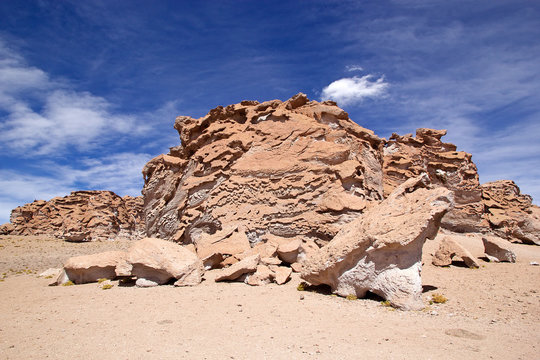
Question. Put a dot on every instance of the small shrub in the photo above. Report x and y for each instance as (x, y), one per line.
(68, 283)
(106, 286)
(351, 297)
(102, 280)
(302, 286)
(386, 303)
(438, 299)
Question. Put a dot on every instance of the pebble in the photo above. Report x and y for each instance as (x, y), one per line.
(534, 263)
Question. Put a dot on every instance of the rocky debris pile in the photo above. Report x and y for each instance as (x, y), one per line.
(381, 251)
(295, 169)
(80, 216)
(407, 156)
(511, 215)
(151, 261)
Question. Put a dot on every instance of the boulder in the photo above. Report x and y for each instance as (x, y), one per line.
(262, 276)
(51, 273)
(282, 274)
(89, 268)
(498, 250)
(449, 250)
(145, 283)
(245, 266)
(161, 261)
(288, 251)
(381, 251)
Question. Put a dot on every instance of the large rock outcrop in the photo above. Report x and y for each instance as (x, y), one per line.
(297, 168)
(80, 216)
(381, 251)
(511, 215)
(407, 156)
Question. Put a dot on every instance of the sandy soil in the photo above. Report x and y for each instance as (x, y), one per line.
(492, 313)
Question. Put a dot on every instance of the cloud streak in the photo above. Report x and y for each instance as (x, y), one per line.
(44, 116)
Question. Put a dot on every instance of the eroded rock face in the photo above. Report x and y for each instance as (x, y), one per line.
(511, 214)
(381, 250)
(80, 216)
(297, 168)
(407, 156)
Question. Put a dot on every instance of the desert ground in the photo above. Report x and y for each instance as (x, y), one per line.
(491, 313)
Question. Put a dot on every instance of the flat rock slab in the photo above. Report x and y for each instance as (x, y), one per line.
(90, 268)
(498, 249)
(245, 266)
(450, 249)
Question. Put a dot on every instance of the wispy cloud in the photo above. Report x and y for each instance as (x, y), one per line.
(347, 91)
(354, 68)
(57, 139)
(44, 115)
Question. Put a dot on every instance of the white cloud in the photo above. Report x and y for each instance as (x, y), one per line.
(354, 68)
(44, 116)
(354, 90)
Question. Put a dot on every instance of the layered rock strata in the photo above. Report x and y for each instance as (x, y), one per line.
(295, 169)
(407, 156)
(80, 216)
(511, 215)
(381, 251)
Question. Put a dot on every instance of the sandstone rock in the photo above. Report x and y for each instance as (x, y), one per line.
(288, 252)
(51, 272)
(296, 267)
(381, 250)
(449, 249)
(293, 168)
(144, 283)
(247, 265)
(161, 261)
(498, 250)
(511, 214)
(90, 268)
(6, 229)
(264, 250)
(270, 261)
(262, 276)
(282, 274)
(407, 156)
(212, 248)
(81, 216)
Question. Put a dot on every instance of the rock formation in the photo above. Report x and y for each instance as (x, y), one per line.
(407, 156)
(497, 250)
(295, 169)
(81, 216)
(511, 214)
(151, 261)
(450, 250)
(381, 251)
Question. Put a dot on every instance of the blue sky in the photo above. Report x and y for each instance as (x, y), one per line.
(89, 89)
